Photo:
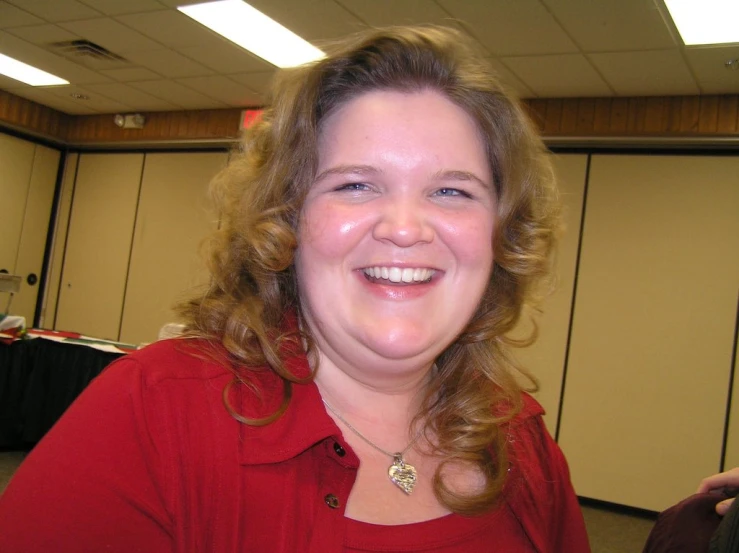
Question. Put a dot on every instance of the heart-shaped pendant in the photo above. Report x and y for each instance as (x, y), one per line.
(402, 474)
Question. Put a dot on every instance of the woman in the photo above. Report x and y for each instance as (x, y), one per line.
(346, 385)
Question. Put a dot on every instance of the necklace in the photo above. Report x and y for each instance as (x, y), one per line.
(401, 473)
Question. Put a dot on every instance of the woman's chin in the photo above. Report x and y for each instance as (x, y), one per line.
(406, 345)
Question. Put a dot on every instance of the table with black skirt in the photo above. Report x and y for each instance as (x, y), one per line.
(39, 379)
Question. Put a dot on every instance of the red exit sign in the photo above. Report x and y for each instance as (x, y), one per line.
(249, 116)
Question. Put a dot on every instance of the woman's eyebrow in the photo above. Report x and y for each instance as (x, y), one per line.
(455, 175)
(360, 170)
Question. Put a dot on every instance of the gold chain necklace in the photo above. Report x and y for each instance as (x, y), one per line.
(401, 473)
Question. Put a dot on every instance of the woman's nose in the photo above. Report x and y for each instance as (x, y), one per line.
(404, 223)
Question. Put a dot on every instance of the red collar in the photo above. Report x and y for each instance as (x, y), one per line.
(304, 424)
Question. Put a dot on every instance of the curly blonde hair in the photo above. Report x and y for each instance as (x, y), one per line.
(476, 388)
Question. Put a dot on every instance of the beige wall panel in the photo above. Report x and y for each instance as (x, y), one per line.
(172, 221)
(35, 229)
(731, 458)
(653, 327)
(59, 240)
(98, 244)
(546, 357)
(16, 162)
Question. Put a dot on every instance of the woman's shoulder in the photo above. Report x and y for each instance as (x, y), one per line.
(528, 438)
(176, 359)
(531, 408)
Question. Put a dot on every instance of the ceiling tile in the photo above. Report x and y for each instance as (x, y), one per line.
(648, 73)
(709, 67)
(313, 20)
(43, 34)
(510, 80)
(6, 83)
(94, 101)
(512, 28)
(131, 74)
(118, 7)
(170, 27)
(224, 89)
(56, 10)
(178, 94)
(61, 103)
(12, 16)
(176, 3)
(541, 48)
(551, 76)
(226, 57)
(258, 82)
(129, 95)
(605, 25)
(169, 63)
(112, 35)
(383, 13)
(48, 61)
(76, 74)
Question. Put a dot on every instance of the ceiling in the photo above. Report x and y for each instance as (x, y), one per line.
(542, 49)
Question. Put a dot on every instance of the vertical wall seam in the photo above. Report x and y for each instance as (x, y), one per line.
(66, 239)
(574, 298)
(50, 235)
(130, 249)
(730, 394)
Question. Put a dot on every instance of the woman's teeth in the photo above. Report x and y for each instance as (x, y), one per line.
(396, 274)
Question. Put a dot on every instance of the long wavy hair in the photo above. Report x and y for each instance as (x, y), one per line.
(477, 386)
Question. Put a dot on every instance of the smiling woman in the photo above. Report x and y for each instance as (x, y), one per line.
(399, 214)
(345, 383)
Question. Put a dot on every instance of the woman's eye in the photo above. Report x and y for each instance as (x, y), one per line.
(449, 192)
(353, 187)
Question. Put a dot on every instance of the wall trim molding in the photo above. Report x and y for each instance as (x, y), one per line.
(664, 121)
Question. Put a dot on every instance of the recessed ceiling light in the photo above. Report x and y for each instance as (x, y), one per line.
(705, 21)
(251, 29)
(27, 73)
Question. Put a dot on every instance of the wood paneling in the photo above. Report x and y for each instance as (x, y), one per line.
(38, 119)
(75, 130)
(660, 116)
(160, 126)
(669, 116)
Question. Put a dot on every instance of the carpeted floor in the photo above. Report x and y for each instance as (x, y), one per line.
(9, 461)
(610, 530)
(614, 530)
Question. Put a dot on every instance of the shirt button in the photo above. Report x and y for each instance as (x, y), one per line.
(332, 501)
(340, 451)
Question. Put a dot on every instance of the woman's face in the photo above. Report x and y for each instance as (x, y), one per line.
(395, 241)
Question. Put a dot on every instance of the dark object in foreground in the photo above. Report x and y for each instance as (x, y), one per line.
(693, 526)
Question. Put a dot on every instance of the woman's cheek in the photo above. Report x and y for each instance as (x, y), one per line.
(329, 228)
(472, 238)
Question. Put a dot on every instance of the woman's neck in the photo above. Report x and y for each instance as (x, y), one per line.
(377, 402)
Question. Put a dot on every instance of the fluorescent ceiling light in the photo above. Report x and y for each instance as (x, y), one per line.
(27, 73)
(251, 29)
(705, 21)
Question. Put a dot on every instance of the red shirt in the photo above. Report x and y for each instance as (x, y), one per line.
(498, 530)
(148, 460)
